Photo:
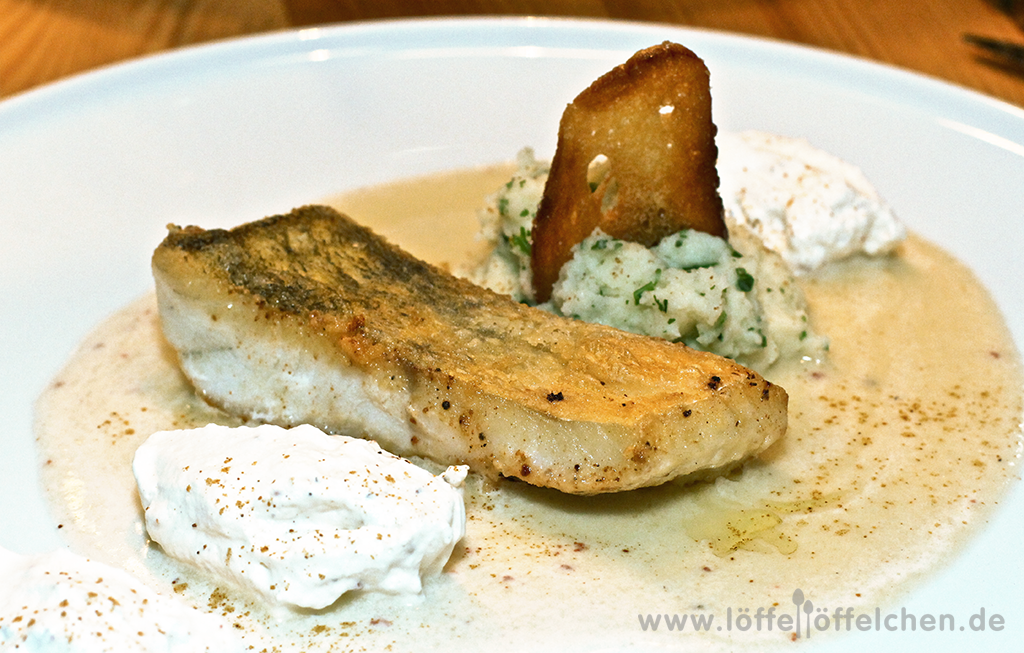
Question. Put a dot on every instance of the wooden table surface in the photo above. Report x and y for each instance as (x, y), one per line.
(46, 40)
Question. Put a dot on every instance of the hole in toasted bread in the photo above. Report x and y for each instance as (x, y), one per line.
(597, 171)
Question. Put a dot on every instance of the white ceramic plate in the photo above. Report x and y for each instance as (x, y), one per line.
(91, 169)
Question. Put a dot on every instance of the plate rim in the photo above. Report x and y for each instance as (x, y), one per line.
(114, 76)
(224, 50)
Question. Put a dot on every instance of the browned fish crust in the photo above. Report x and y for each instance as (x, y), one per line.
(446, 370)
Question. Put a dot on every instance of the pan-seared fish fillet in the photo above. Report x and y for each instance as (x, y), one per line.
(311, 318)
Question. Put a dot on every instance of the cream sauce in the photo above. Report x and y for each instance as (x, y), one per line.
(898, 447)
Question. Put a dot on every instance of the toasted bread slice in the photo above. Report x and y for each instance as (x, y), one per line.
(635, 156)
(312, 318)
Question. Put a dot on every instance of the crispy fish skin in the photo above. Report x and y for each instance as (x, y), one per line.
(311, 318)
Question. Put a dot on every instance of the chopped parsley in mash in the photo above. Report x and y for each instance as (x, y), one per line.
(692, 288)
(734, 298)
(505, 224)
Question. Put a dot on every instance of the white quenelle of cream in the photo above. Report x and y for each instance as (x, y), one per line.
(803, 203)
(297, 515)
(61, 601)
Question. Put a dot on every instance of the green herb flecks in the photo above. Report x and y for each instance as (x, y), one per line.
(698, 266)
(647, 287)
(521, 241)
(604, 243)
(744, 281)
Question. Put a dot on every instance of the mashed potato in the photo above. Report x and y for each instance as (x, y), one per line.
(735, 298)
(505, 224)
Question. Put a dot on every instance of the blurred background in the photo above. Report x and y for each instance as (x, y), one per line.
(45, 40)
